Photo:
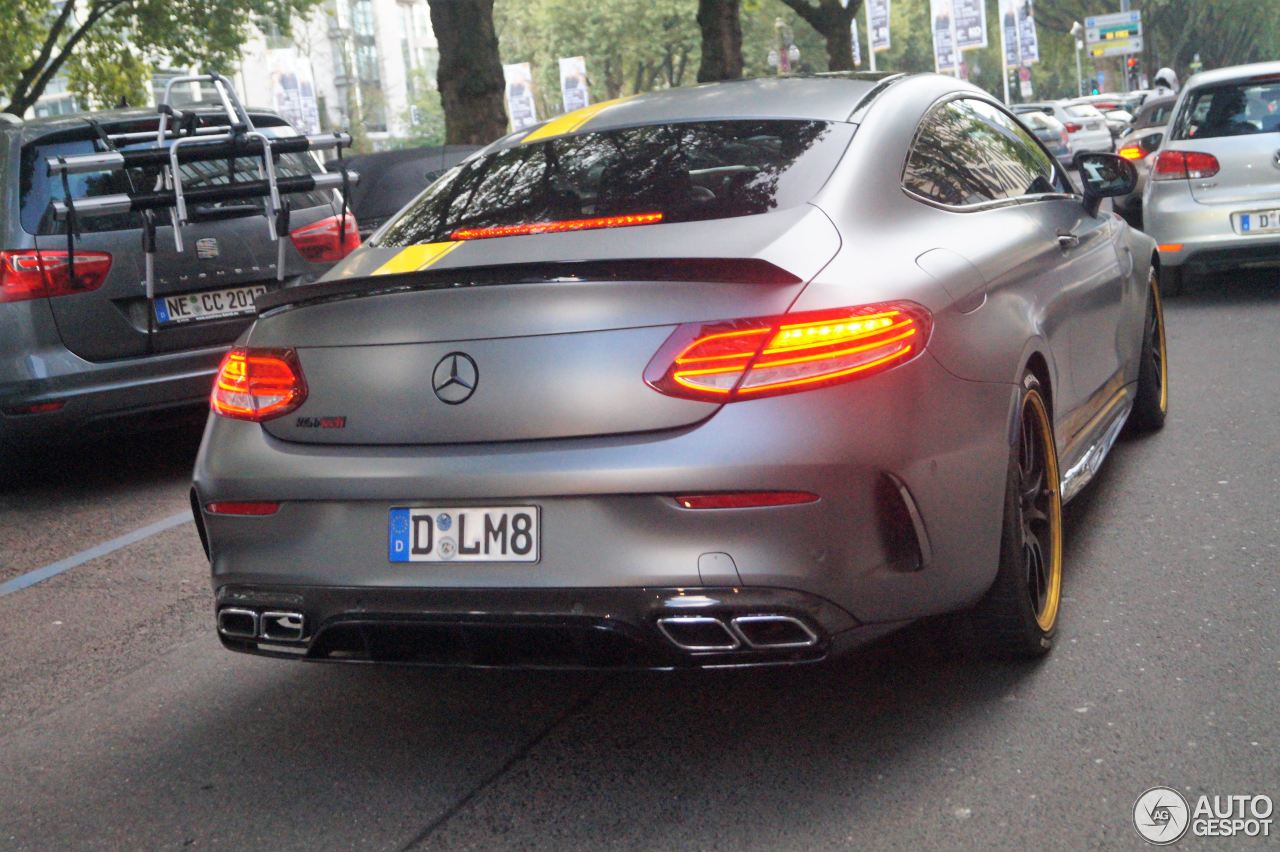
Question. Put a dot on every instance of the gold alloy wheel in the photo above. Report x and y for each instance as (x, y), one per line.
(1040, 511)
(1158, 351)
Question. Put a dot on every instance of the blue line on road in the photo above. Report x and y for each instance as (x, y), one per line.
(53, 569)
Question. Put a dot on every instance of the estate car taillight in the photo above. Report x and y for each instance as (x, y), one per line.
(35, 273)
(327, 241)
(1184, 165)
(258, 384)
(743, 359)
(1073, 127)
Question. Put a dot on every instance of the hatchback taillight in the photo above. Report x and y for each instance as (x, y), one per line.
(764, 356)
(35, 273)
(258, 384)
(327, 241)
(1073, 127)
(1184, 165)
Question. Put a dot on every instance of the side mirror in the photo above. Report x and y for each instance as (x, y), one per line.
(1104, 176)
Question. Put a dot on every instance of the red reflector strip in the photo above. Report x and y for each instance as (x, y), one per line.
(556, 227)
(36, 408)
(746, 499)
(256, 507)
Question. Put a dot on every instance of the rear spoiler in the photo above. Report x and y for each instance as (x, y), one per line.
(180, 138)
(708, 270)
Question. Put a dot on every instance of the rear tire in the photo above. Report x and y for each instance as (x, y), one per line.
(1018, 617)
(1151, 404)
(1170, 281)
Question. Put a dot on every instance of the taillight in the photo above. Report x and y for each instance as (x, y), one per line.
(1132, 152)
(1072, 127)
(34, 274)
(745, 499)
(258, 384)
(743, 359)
(1185, 165)
(252, 508)
(326, 241)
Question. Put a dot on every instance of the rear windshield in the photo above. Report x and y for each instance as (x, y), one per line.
(38, 188)
(686, 172)
(1238, 108)
(1083, 111)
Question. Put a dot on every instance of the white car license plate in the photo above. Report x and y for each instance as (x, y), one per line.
(1258, 222)
(211, 304)
(473, 534)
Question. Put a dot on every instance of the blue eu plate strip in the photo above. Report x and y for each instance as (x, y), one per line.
(398, 536)
(162, 311)
(1244, 222)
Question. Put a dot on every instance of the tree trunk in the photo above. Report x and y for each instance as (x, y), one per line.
(470, 74)
(831, 20)
(721, 28)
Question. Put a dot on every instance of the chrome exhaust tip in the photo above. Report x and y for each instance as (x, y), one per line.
(774, 631)
(238, 623)
(698, 633)
(281, 626)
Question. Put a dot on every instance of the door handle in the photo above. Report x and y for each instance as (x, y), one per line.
(1066, 241)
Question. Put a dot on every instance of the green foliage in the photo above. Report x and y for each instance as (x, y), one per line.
(105, 70)
(205, 33)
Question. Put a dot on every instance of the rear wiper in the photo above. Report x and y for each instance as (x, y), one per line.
(215, 212)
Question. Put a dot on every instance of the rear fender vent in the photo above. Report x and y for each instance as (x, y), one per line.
(902, 532)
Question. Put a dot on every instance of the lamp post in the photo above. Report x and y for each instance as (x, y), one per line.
(1077, 32)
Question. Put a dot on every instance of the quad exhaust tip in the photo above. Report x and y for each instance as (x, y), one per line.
(759, 632)
(270, 626)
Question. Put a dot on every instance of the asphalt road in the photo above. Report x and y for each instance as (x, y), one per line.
(123, 724)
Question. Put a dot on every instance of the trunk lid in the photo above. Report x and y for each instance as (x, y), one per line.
(1247, 173)
(555, 354)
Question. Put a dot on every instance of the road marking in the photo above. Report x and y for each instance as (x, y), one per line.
(53, 569)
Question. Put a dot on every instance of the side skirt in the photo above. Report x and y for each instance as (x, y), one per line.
(1104, 431)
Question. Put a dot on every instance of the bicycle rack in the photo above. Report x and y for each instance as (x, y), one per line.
(182, 137)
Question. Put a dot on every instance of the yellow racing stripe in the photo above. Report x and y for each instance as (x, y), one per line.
(415, 258)
(570, 121)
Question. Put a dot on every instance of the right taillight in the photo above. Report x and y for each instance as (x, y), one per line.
(258, 384)
(328, 240)
(1184, 165)
(35, 273)
(1073, 127)
(765, 356)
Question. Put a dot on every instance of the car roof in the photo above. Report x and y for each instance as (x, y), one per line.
(1235, 72)
(34, 128)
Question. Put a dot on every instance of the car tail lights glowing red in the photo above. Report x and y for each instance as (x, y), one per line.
(557, 226)
(1185, 165)
(327, 241)
(742, 359)
(258, 384)
(746, 499)
(1073, 127)
(36, 273)
(253, 508)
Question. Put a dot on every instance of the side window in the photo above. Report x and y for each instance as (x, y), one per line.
(1022, 166)
(948, 162)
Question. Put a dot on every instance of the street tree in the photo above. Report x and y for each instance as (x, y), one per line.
(721, 25)
(470, 73)
(831, 18)
(104, 44)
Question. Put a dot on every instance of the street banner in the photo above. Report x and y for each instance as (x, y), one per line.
(520, 105)
(1027, 38)
(857, 48)
(878, 25)
(293, 91)
(971, 24)
(573, 83)
(946, 59)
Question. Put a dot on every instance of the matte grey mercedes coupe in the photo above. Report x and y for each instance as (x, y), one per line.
(736, 374)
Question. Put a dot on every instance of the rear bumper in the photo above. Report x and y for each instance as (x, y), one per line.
(1209, 242)
(537, 628)
(103, 398)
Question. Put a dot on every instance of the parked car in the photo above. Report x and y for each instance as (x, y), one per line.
(1052, 133)
(390, 179)
(719, 390)
(1213, 200)
(1086, 128)
(84, 356)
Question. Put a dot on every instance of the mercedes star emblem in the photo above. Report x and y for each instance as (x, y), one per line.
(455, 378)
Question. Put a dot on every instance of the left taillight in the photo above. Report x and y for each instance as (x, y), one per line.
(258, 384)
(765, 356)
(328, 240)
(34, 274)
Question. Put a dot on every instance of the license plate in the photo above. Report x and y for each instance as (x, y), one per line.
(210, 304)
(1258, 222)
(473, 534)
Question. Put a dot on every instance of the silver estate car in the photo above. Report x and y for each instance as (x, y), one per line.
(1213, 197)
(735, 374)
